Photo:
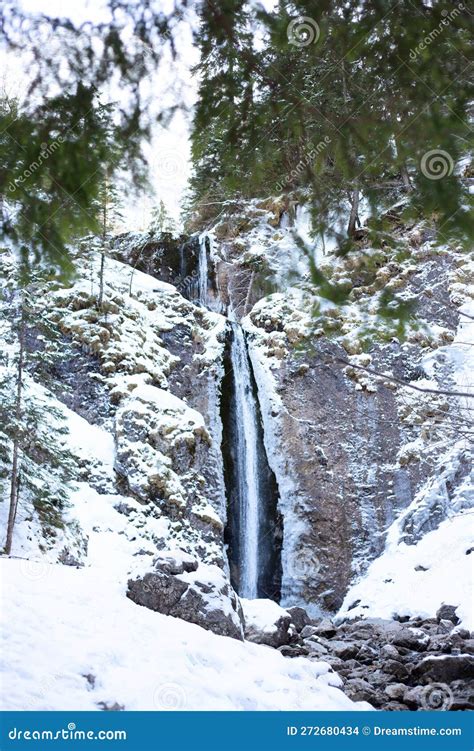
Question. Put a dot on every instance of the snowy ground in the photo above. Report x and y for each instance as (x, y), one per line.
(416, 579)
(89, 644)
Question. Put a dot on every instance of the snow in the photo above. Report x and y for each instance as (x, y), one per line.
(393, 585)
(262, 614)
(91, 645)
(394, 582)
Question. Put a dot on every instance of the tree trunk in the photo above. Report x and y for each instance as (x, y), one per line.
(15, 475)
(354, 215)
(406, 178)
(100, 300)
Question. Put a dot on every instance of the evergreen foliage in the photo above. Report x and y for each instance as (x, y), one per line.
(338, 100)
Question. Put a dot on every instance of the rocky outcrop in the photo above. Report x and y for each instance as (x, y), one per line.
(180, 587)
(419, 664)
(351, 451)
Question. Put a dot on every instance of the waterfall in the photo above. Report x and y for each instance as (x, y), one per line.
(203, 269)
(253, 531)
(246, 439)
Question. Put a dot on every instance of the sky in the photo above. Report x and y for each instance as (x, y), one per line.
(168, 154)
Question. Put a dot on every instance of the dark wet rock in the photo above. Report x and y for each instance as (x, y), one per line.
(396, 668)
(414, 697)
(346, 650)
(367, 654)
(200, 602)
(445, 668)
(411, 638)
(395, 706)
(447, 612)
(463, 695)
(290, 650)
(299, 617)
(359, 690)
(325, 628)
(468, 646)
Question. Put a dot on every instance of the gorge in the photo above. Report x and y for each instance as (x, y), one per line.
(236, 469)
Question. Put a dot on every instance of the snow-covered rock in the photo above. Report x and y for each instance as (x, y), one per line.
(199, 595)
(266, 622)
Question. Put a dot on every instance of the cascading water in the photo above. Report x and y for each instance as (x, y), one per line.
(253, 532)
(254, 529)
(246, 439)
(203, 269)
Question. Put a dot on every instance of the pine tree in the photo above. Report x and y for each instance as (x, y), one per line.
(361, 85)
(161, 221)
(32, 429)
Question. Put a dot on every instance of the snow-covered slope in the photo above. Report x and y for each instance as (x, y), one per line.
(71, 640)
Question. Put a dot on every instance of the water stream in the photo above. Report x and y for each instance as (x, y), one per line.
(253, 532)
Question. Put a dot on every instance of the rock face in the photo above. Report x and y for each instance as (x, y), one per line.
(199, 594)
(350, 452)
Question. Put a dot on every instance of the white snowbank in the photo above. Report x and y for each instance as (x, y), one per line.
(262, 614)
(71, 640)
(393, 585)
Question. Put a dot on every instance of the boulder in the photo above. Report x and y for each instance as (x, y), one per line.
(396, 668)
(389, 650)
(395, 690)
(299, 617)
(411, 638)
(413, 697)
(325, 628)
(447, 613)
(308, 632)
(207, 600)
(266, 622)
(445, 668)
(294, 650)
(359, 690)
(346, 650)
(316, 649)
(175, 562)
(468, 646)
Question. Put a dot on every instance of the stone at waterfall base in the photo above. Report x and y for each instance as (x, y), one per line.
(267, 623)
(196, 594)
